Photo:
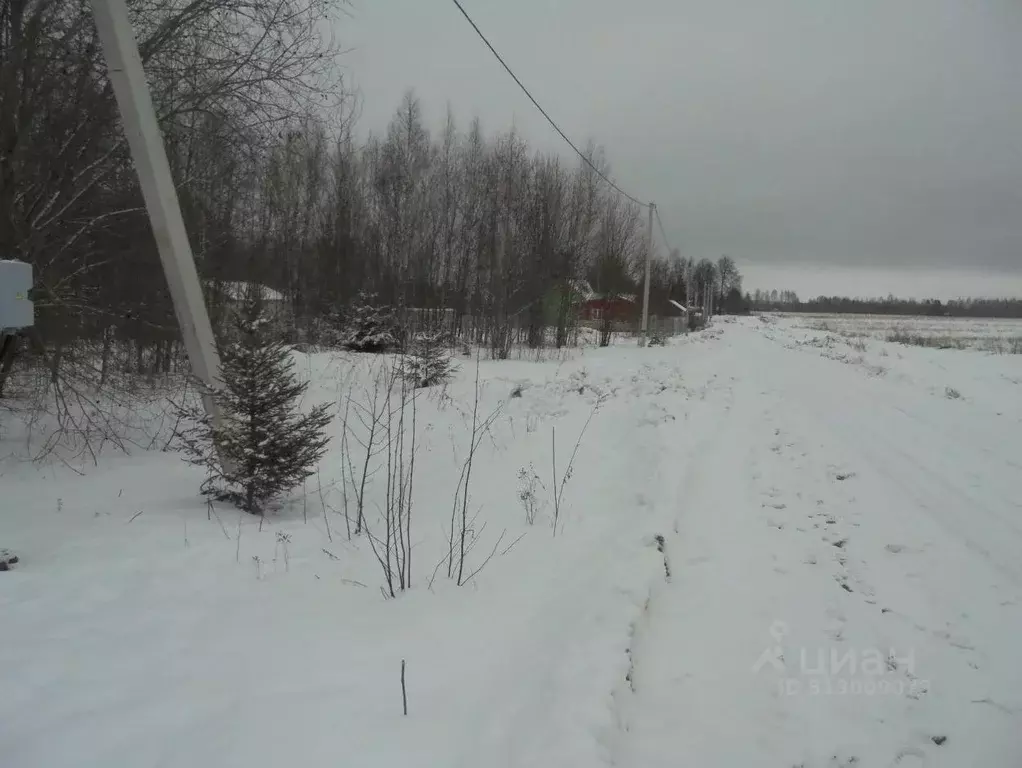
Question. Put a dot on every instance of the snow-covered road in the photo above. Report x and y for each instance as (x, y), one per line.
(840, 582)
(847, 573)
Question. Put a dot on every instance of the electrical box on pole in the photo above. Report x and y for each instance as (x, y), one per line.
(16, 309)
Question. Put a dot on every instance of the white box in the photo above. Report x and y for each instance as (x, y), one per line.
(16, 309)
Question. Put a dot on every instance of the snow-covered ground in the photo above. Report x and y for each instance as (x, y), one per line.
(777, 546)
(1002, 335)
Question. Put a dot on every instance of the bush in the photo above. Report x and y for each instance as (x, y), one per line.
(657, 339)
(528, 482)
(326, 332)
(7, 560)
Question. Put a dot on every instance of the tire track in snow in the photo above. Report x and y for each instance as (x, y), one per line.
(692, 415)
(562, 683)
(692, 655)
(696, 412)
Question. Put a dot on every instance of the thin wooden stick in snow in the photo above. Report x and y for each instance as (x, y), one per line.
(404, 691)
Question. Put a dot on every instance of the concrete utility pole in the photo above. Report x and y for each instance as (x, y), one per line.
(124, 67)
(645, 287)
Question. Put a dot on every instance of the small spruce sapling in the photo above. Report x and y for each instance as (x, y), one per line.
(263, 445)
(428, 362)
(370, 327)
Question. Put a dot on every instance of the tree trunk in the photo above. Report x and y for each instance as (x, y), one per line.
(8, 348)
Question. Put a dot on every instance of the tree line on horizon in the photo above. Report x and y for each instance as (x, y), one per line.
(788, 301)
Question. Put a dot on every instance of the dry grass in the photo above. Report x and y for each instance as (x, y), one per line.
(997, 336)
(1011, 345)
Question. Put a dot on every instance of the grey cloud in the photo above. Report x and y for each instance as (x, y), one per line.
(838, 132)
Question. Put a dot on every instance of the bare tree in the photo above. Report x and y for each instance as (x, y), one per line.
(225, 77)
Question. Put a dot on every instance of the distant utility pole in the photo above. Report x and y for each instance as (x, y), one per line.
(124, 67)
(645, 287)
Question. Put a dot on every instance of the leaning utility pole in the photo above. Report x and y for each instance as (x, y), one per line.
(645, 288)
(124, 68)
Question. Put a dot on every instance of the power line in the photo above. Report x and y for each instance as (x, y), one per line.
(663, 234)
(550, 120)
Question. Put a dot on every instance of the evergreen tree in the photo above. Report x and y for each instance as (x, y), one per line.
(370, 328)
(263, 445)
(429, 361)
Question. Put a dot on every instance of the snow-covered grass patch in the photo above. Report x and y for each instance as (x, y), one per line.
(143, 625)
(1001, 336)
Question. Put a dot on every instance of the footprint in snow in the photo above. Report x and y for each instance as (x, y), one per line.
(843, 761)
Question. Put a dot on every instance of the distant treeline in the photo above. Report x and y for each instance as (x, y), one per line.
(788, 301)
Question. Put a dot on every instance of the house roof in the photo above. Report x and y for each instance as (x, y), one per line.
(235, 290)
(582, 288)
(629, 297)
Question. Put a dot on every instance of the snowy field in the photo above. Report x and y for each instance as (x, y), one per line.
(1002, 336)
(776, 546)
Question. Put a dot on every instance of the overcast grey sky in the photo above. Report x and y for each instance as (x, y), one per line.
(874, 137)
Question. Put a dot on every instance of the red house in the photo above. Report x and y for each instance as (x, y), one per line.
(617, 308)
